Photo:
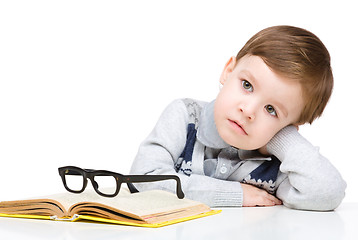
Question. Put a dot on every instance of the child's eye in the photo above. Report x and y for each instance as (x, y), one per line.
(246, 85)
(271, 110)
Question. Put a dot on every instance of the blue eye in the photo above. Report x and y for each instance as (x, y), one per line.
(247, 86)
(271, 110)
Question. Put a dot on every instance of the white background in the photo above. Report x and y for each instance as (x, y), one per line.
(83, 82)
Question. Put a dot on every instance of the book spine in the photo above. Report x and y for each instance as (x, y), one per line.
(70, 219)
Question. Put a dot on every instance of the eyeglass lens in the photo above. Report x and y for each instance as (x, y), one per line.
(105, 184)
(74, 180)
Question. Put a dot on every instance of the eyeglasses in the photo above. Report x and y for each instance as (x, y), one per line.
(106, 183)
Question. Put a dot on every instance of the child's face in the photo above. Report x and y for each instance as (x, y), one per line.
(254, 103)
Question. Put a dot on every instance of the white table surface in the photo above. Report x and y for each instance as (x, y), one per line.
(266, 223)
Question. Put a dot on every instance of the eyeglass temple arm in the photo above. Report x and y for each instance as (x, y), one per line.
(153, 178)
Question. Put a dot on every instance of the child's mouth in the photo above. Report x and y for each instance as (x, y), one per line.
(238, 127)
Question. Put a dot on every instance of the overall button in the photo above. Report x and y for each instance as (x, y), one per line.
(223, 170)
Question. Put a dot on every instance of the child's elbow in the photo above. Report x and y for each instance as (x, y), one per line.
(325, 198)
(332, 197)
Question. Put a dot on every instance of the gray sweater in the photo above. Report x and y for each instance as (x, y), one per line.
(296, 173)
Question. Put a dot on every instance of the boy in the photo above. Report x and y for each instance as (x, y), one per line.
(243, 148)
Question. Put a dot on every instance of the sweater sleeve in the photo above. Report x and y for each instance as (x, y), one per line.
(159, 152)
(312, 182)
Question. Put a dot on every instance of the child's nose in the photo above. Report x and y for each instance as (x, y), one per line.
(249, 111)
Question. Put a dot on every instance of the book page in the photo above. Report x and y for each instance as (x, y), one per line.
(43, 207)
(149, 202)
(142, 203)
(68, 199)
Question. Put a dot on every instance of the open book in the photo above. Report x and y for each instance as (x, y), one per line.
(153, 208)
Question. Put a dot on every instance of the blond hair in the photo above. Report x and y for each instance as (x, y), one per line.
(299, 55)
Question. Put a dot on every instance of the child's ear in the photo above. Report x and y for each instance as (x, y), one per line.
(229, 67)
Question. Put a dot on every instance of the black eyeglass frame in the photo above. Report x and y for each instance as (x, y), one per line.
(120, 178)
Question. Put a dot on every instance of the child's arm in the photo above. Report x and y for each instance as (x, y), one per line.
(312, 182)
(159, 152)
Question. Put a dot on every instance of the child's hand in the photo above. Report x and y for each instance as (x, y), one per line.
(254, 196)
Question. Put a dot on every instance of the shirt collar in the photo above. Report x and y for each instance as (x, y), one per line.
(207, 132)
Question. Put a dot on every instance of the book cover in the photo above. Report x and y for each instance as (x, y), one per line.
(155, 208)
